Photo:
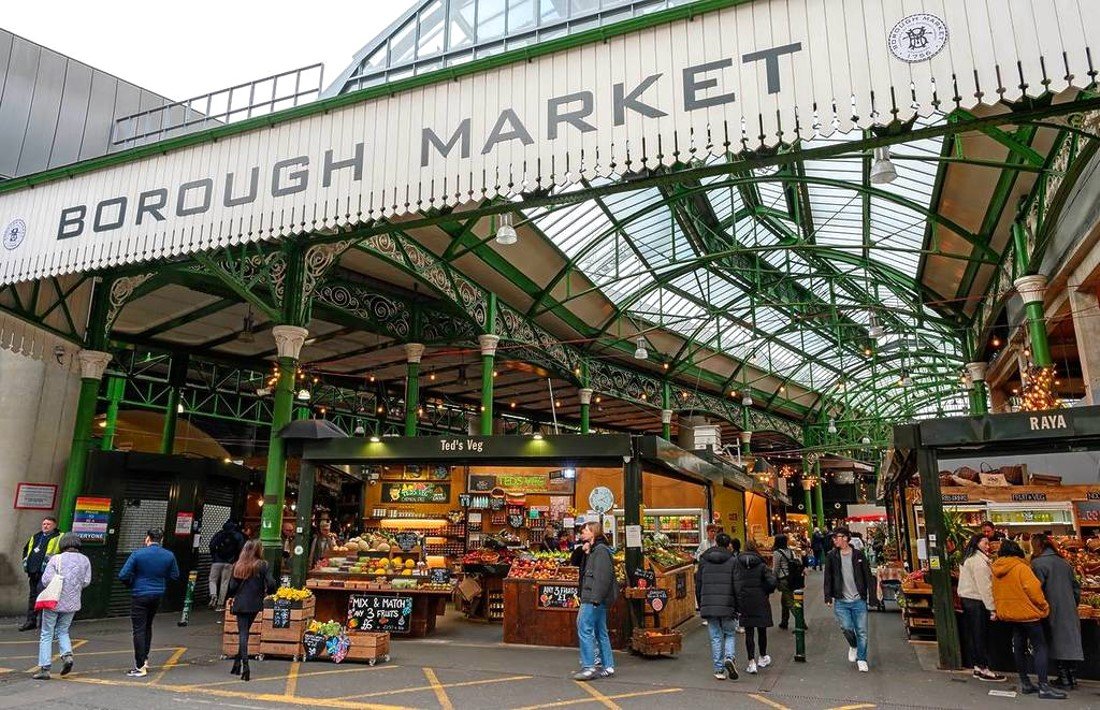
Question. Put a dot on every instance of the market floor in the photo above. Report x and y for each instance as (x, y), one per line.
(465, 666)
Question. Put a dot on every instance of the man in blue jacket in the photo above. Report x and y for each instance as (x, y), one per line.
(146, 573)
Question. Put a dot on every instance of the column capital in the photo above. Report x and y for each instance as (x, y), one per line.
(488, 344)
(413, 352)
(807, 484)
(93, 363)
(746, 437)
(976, 371)
(585, 396)
(289, 340)
(666, 416)
(1031, 288)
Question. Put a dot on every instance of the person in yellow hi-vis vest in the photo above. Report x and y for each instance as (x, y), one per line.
(36, 553)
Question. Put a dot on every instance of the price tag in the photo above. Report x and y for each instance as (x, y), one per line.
(281, 614)
(406, 540)
(440, 575)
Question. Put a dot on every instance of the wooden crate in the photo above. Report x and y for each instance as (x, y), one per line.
(282, 649)
(230, 644)
(656, 642)
(299, 611)
(366, 647)
(293, 634)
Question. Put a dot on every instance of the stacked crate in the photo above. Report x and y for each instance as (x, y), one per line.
(230, 637)
(286, 643)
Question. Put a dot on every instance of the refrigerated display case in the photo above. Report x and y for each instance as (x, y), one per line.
(1033, 517)
(685, 527)
(972, 516)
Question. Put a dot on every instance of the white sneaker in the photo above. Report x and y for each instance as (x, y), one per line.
(751, 669)
(863, 667)
(852, 654)
(765, 661)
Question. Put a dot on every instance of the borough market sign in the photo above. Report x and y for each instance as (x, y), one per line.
(750, 75)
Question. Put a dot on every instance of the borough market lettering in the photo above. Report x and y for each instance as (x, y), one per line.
(702, 88)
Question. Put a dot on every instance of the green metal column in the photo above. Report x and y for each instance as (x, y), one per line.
(939, 572)
(177, 378)
(979, 404)
(116, 388)
(92, 365)
(1032, 289)
(488, 357)
(819, 496)
(806, 486)
(299, 556)
(289, 340)
(632, 505)
(666, 411)
(413, 353)
(585, 396)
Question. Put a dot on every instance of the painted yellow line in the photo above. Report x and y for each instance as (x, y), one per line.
(35, 641)
(861, 706)
(292, 680)
(772, 703)
(168, 665)
(420, 688)
(268, 679)
(440, 692)
(56, 656)
(585, 701)
(262, 697)
(95, 653)
(7, 670)
(600, 697)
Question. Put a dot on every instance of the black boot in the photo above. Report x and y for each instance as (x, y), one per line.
(1071, 675)
(1062, 682)
(246, 672)
(236, 669)
(1048, 693)
(1026, 688)
(29, 625)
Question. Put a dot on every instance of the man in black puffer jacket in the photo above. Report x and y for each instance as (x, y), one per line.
(718, 604)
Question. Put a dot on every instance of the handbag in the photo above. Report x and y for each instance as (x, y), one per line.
(51, 595)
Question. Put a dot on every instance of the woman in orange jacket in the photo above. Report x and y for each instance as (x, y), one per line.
(1018, 598)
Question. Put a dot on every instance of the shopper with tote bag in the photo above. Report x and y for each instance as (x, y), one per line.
(65, 576)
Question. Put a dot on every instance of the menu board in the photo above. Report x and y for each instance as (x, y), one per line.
(558, 596)
(406, 540)
(681, 585)
(374, 612)
(416, 492)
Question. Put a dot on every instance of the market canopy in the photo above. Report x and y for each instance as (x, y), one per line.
(696, 180)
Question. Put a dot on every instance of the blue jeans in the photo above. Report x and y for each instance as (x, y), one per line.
(593, 636)
(54, 623)
(723, 637)
(852, 616)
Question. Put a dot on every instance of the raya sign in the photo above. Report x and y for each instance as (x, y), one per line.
(745, 76)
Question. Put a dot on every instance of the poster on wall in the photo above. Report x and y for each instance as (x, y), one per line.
(90, 518)
(416, 492)
(35, 496)
(184, 521)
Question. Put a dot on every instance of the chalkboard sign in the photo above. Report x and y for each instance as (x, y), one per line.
(645, 578)
(281, 614)
(416, 492)
(314, 644)
(374, 612)
(681, 585)
(482, 484)
(657, 599)
(406, 540)
(496, 504)
(516, 520)
(440, 575)
(558, 596)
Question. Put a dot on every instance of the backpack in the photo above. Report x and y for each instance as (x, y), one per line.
(796, 572)
(224, 545)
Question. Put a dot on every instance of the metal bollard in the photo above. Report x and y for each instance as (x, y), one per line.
(188, 599)
(799, 626)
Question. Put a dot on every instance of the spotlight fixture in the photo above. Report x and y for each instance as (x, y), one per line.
(883, 171)
(865, 440)
(303, 395)
(996, 342)
(374, 439)
(506, 233)
(832, 425)
(874, 328)
(641, 353)
(179, 408)
(906, 380)
(360, 430)
(537, 436)
(746, 401)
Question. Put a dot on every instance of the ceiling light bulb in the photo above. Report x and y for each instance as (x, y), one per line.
(375, 439)
(360, 430)
(537, 436)
(640, 353)
(506, 234)
(832, 425)
(883, 171)
(906, 380)
(865, 440)
(746, 401)
(303, 395)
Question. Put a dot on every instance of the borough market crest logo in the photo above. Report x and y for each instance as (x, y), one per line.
(918, 38)
(14, 234)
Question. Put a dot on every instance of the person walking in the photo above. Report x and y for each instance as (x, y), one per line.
(598, 593)
(717, 604)
(39, 549)
(847, 583)
(1019, 600)
(753, 581)
(976, 593)
(147, 572)
(251, 582)
(1063, 593)
(225, 546)
(788, 569)
(817, 544)
(76, 574)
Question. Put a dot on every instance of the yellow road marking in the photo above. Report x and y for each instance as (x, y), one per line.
(35, 641)
(262, 697)
(7, 670)
(600, 697)
(583, 701)
(440, 693)
(303, 675)
(762, 699)
(861, 706)
(419, 688)
(94, 653)
(168, 665)
(292, 680)
(56, 656)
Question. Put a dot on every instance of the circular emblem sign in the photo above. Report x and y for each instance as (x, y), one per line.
(918, 38)
(601, 499)
(14, 233)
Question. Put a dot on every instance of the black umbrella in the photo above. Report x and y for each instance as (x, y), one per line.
(312, 429)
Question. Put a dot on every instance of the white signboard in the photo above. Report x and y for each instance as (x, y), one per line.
(634, 536)
(751, 75)
(35, 496)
